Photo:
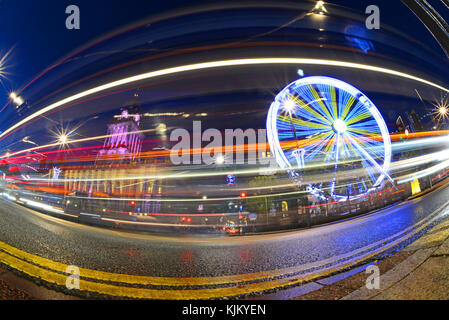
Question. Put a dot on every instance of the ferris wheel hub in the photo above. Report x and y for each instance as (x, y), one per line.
(339, 126)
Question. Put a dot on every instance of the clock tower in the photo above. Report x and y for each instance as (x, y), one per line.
(124, 137)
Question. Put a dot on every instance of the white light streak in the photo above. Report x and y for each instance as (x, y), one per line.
(424, 173)
(7, 155)
(8, 196)
(218, 64)
(40, 205)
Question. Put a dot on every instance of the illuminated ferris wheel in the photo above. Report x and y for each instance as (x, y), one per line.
(329, 137)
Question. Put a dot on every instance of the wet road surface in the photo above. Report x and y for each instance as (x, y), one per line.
(192, 256)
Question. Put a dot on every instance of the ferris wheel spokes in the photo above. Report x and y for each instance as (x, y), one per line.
(373, 162)
(330, 137)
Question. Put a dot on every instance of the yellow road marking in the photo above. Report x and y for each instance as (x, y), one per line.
(143, 293)
(162, 281)
(172, 281)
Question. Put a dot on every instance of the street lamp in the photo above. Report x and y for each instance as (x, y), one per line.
(63, 138)
(62, 134)
(26, 140)
(16, 99)
(289, 105)
(440, 112)
(319, 8)
(220, 159)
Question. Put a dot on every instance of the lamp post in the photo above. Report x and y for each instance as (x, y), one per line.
(289, 105)
(27, 140)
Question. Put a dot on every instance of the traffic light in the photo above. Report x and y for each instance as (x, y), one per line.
(243, 195)
(186, 219)
(133, 203)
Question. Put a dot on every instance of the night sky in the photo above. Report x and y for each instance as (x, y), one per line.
(36, 29)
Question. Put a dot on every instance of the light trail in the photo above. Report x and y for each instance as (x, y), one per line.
(396, 146)
(201, 200)
(427, 142)
(424, 173)
(205, 174)
(424, 159)
(219, 64)
(40, 205)
(438, 156)
(172, 214)
(9, 197)
(57, 144)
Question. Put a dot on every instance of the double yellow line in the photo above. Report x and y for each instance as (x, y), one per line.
(55, 273)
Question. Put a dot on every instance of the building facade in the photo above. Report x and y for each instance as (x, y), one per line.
(118, 172)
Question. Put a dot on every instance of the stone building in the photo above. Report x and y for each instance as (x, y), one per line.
(118, 173)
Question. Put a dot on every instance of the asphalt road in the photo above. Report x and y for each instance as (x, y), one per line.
(189, 256)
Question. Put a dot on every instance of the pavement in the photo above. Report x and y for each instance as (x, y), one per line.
(423, 275)
(15, 287)
(10, 291)
(415, 269)
(418, 272)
